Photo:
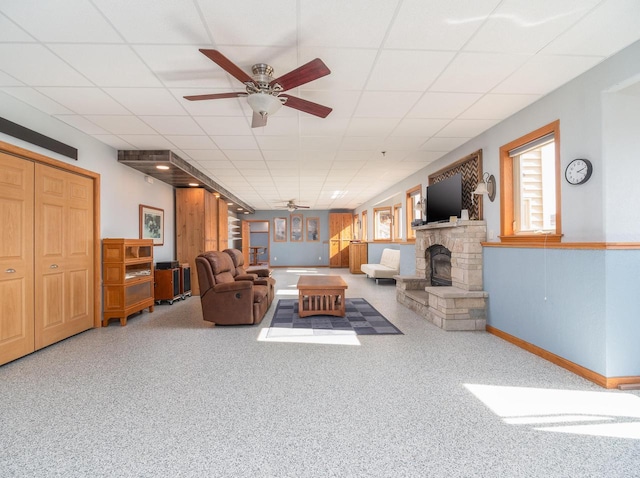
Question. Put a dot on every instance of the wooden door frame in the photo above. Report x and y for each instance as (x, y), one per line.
(268, 221)
(95, 177)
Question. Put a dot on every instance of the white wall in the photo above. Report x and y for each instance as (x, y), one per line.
(122, 188)
(621, 153)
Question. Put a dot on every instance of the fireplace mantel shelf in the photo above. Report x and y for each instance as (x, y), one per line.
(445, 225)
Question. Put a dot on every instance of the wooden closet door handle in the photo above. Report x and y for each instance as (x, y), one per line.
(53, 266)
(10, 271)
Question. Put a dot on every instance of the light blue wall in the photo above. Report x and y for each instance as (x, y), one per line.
(552, 298)
(306, 254)
(622, 312)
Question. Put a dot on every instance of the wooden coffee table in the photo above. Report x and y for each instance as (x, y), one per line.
(321, 295)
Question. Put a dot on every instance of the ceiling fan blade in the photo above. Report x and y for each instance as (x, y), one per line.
(258, 120)
(304, 74)
(306, 106)
(215, 96)
(297, 206)
(227, 65)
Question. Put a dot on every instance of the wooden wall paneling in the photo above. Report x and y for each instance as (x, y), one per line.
(223, 225)
(196, 227)
(16, 258)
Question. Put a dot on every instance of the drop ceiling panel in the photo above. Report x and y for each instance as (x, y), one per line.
(495, 106)
(37, 100)
(174, 125)
(390, 104)
(235, 142)
(28, 62)
(224, 125)
(521, 26)
(437, 25)
(545, 73)
(350, 67)
(147, 141)
(147, 101)
(371, 126)
(442, 105)
(96, 63)
(461, 128)
(231, 24)
(408, 70)
(182, 66)
(10, 32)
(191, 141)
(477, 72)
(581, 39)
(153, 21)
(243, 155)
(83, 124)
(89, 101)
(121, 124)
(47, 23)
(359, 23)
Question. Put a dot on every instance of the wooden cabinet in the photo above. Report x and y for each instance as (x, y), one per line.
(127, 270)
(358, 255)
(196, 227)
(167, 285)
(47, 252)
(340, 235)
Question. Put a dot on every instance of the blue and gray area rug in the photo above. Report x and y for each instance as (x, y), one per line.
(360, 318)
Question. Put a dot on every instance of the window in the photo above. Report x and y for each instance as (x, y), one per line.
(530, 184)
(397, 222)
(414, 209)
(364, 226)
(382, 219)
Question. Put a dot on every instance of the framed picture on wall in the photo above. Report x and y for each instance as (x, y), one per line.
(279, 229)
(296, 228)
(313, 229)
(152, 224)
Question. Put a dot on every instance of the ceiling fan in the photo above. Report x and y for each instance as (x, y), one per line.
(292, 206)
(263, 92)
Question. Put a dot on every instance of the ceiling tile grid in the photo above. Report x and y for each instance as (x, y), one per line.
(410, 80)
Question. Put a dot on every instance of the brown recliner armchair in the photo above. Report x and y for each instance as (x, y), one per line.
(224, 300)
(262, 276)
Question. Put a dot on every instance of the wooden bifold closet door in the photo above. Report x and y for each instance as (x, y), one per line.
(63, 254)
(47, 253)
(16, 258)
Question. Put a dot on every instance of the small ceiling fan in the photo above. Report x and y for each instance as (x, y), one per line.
(292, 206)
(263, 92)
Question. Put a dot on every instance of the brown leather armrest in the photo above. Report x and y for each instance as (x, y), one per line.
(232, 286)
(250, 277)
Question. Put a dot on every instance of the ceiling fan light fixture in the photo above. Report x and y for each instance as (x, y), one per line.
(264, 104)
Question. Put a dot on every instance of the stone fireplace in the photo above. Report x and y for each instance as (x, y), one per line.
(457, 302)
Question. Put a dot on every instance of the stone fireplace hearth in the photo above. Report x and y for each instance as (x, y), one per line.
(462, 305)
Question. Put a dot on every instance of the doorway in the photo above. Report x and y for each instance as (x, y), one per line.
(258, 245)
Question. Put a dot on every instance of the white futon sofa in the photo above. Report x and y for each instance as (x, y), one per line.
(389, 266)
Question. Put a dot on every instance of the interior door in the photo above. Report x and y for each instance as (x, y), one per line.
(246, 238)
(63, 254)
(346, 235)
(335, 230)
(16, 258)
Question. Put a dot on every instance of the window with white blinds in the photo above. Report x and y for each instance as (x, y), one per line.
(534, 186)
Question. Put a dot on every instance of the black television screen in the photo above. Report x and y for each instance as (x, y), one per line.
(444, 199)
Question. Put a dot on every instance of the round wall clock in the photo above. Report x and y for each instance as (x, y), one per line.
(578, 171)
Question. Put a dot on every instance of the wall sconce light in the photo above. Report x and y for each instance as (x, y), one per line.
(486, 186)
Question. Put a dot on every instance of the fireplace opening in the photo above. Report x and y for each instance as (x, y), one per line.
(440, 261)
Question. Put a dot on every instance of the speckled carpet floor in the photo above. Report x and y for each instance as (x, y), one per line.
(170, 395)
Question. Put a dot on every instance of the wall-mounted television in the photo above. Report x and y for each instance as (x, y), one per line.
(444, 199)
